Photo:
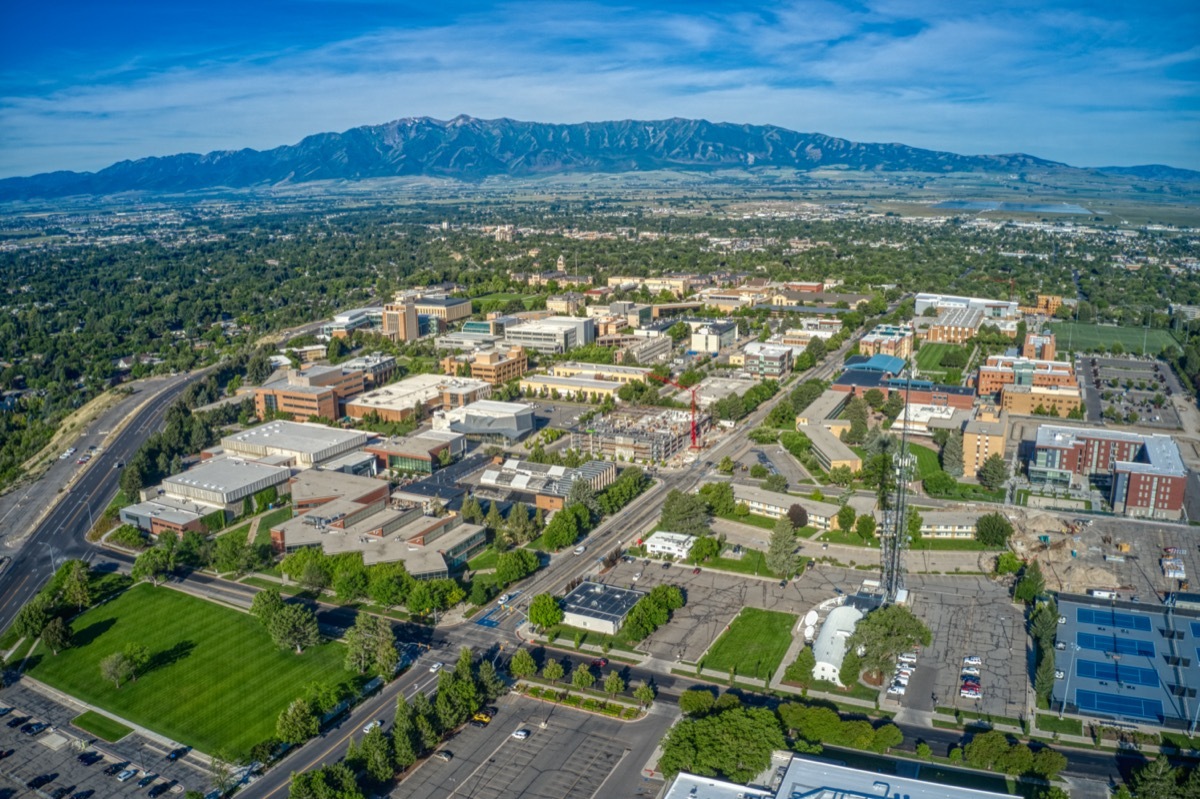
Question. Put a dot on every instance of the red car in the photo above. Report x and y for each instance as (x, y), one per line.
(600, 662)
(696, 570)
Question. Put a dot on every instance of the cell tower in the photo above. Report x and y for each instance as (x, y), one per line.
(895, 519)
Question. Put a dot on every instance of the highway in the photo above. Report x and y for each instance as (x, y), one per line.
(61, 535)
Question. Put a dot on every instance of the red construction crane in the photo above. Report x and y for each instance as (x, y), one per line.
(692, 391)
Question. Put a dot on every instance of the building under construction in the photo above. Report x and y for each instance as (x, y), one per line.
(641, 435)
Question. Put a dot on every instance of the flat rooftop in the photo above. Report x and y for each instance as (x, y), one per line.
(321, 483)
(294, 437)
(1160, 451)
(600, 601)
(226, 474)
(418, 389)
(813, 778)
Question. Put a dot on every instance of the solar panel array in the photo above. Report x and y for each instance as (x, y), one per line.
(1130, 675)
(1114, 704)
(1115, 618)
(1112, 643)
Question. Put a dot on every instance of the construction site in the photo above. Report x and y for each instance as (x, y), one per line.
(643, 435)
(1132, 561)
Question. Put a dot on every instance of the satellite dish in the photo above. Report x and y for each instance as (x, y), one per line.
(810, 618)
(809, 631)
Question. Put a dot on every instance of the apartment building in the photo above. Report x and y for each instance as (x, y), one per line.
(712, 337)
(1006, 370)
(894, 340)
(1041, 348)
(767, 361)
(1144, 474)
(955, 325)
(983, 436)
(1041, 400)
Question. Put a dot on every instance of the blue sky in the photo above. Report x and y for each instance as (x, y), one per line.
(84, 84)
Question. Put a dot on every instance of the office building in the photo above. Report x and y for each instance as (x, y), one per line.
(712, 337)
(1000, 371)
(318, 391)
(578, 388)
(418, 395)
(983, 436)
(669, 545)
(1039, 348)
(568, 304)
(303, 445)
(423, 453)
(1144, 474)
(167, 514)
(317, 487)
(1060, 401)
(830, 451)
(647, 350)
(225, 482)
(400, 321)
(490, 366)
(599, 607)
(376, 368)
(765, 361)
(555, 334)
(548, 484)
(489, 421)
(346, 322)
(447, 309)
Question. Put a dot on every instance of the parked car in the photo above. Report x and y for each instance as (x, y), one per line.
(521, 735)
(85, 794)
(600, 662)
(161, 788)
(127, 775)
(970, 671)
(444, 755)
(90, 758)
(62, 792)
(115, 768)
(40, 780)
(1058, 674)
(34, 729)
(17, 721)
(482, 717)
(696, 570)
(4, 711)
(175, 754)
(972, 660)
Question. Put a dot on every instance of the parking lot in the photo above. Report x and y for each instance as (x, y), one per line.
(575, 755)
(1131, 385)
(56, 750)
(968, 616)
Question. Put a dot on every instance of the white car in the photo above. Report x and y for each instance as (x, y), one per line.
(436, 667)
(127, 774)
(372, 725)
(521, 735)
(972, 660)
(503, 598)
(970, 671)
(898, 690)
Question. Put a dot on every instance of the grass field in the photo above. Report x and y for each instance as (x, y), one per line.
(102, 727)
(1079, 337)
(215, 680)
(929, 357)
(1051, 723)
(751, 562)
(502, 297)
(484, 560)
(927, 461)
(277, 516)
(754, 644)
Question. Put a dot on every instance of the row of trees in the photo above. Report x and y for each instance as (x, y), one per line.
(386, 584)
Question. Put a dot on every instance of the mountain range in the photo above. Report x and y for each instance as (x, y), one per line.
(470, 149)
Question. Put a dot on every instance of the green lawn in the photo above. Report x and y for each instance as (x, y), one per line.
(277, 516)
(927, 461)
(952, 545)
(102, 727)
(1051, 723)
(215, 680)
(1081, 337)
(751, 562)
(929, 357)
(484, 560)
(752, 518)
(754, 644)
(242, 530)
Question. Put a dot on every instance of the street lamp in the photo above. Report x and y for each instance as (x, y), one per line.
(1067, 689)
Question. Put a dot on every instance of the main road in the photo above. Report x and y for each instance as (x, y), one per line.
(62, 534)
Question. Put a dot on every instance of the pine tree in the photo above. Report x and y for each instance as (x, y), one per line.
(952, 455)
(781, 553)
(494, 521)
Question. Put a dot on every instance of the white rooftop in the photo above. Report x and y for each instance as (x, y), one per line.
(294, 436)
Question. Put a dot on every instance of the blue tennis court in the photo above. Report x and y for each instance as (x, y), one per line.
(1130, 675)
(1111, 643)
(1130, 706)
(1114, 618)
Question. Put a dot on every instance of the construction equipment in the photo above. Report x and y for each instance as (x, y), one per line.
(692, 391)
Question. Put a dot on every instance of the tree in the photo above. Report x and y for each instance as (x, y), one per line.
(220, 772)
(776, 483)
(1007, 563)
(1049, 763)
(696, 702)
(117, 668)
(582, 678)
(702, 746)
(874, 398)
(798, 516)
(266, 604)
(420, 599)
(614, 683)
(986, 749)
(644, 694)
(294, 627)
(726, 465)
(885, 633)
(924, 751)
(781, 552)
(1017, 760)
(32, 618)
(684, 513)
(515, 565)
(544, 611)
(296, 723)
(76, 586)
(759, 472)
(952, 455)
(377, 756)
(886, 737)
(582, 493)
(494, 520)
(851, 668)
(150, 565)
(57, 635)
(994, 472)
(993, 530)
(1031, 585)
(719, 498)
(553, 670)
(1043, 676)
(865, 527)
(1156, 780)
(522, 664)
(138, 657)
(801, 670)
(845, 518)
